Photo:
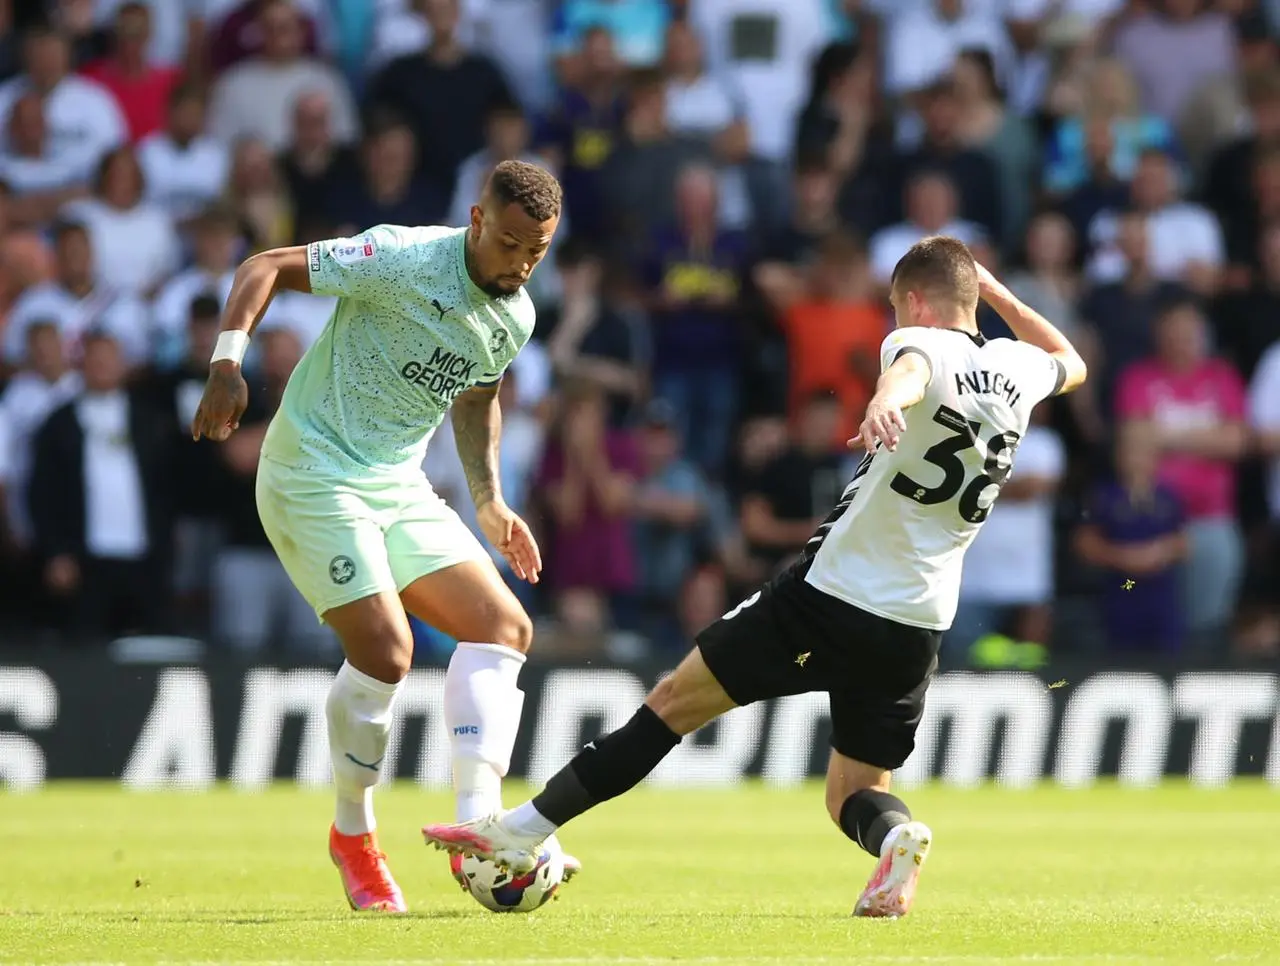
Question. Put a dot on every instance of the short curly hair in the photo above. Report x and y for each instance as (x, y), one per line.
(533, 188)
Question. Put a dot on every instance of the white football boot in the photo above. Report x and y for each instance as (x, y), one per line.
(487, 838)
(892, 887)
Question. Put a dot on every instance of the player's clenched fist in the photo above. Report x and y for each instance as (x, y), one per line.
(883, 423)
(225, 396)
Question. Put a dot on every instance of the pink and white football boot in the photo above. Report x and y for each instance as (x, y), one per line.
(892, 887)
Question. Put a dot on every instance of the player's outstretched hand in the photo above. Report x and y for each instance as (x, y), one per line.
(512, 538)
(884, 423)
(225, 396)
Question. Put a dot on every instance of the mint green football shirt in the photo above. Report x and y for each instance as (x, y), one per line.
(410, 332)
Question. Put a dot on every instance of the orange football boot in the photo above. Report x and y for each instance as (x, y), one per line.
(365, 876)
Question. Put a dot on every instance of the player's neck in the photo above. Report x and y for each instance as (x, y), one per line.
(468, 258)
(967, 325)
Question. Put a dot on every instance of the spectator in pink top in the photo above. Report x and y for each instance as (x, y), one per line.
(141, 88)
(1195, 402)
(586, 483)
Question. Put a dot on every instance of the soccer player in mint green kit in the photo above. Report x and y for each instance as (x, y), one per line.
(427, 321)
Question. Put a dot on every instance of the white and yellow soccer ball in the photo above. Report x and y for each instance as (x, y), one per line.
(501, 891)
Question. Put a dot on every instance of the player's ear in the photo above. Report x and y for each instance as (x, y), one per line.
(914, 306)
(477, 220)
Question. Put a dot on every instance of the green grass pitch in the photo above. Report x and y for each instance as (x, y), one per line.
(93, 874)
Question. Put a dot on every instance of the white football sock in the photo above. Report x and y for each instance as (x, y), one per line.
(482, 708)
(526, 820)
(359, 714)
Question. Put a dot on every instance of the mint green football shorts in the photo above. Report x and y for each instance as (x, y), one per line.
(344, 540)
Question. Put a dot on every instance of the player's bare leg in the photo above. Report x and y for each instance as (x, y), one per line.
(379, 649)
(859, 801)
(682, 702)
(482, 702)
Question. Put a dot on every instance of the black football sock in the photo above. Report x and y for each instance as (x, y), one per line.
(869, 815)
(607, 767)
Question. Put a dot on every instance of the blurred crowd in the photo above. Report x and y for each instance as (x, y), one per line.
(740, 178)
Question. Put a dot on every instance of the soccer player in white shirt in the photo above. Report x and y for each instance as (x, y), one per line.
(861, 614)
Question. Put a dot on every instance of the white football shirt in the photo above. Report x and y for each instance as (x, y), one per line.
(894, 545)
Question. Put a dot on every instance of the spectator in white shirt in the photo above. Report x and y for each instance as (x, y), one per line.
(764, 50)
(700, 105)
(1173, 47)
(184, 168)
(83, 119)
(76, 303)
(1184, 237)
(923, 44)
(255, 99)
(931, 210)
(135, 244)
(217, 245)
(40, 182)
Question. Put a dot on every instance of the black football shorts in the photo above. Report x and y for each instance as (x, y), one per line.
(791, 638)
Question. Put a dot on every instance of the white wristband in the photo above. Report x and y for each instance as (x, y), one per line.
(231, 345)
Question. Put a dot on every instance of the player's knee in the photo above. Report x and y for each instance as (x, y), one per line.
(514, 630)
(670, 702)
(662, 697)
(688, 698)
(391, 668)
(386, 656)
(835, 801)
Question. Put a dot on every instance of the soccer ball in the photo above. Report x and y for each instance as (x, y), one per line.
(501, 891)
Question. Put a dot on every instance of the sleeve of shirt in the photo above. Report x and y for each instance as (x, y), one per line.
(110, 127)
(129, 320)
(221, 122)
(15, 333)
(6, 447)
(903, 342)
(1264, 393)
(371, 267)
(687, 482)
(1040, 373)
(1209, 243)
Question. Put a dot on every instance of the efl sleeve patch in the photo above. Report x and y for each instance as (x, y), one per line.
(349, 251)
(900, 342)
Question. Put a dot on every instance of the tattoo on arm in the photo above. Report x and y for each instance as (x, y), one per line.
(477, 425)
